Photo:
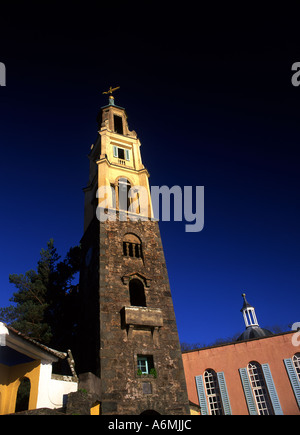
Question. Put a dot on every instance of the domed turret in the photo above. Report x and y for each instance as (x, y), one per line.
(253, 330)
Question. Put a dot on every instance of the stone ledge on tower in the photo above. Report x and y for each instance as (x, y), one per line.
(142, 317)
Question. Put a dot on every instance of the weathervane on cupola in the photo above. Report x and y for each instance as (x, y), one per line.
(111, 99)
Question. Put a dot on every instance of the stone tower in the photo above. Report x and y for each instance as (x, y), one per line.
(128, 329)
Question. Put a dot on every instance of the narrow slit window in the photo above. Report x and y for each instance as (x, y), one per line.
(118, 123)
(124, 200)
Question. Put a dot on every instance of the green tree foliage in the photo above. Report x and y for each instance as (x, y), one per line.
(45, 305)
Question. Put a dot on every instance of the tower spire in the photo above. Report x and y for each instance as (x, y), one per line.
(248, 313)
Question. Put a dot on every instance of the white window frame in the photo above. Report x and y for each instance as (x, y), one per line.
(296, 362)
(259, 388)
(116, 153)
(213, 393)
(144, 362)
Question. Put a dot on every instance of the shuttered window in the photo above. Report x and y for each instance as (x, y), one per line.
(224, 393)
(259, 388)
(121, 153)
(293, 370)
(248, 391)
(201, 395)
(272, 390)
(212, 393)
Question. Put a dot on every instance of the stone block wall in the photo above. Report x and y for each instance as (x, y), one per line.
(147, 331)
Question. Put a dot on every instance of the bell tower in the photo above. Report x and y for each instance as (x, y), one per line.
(128, 332)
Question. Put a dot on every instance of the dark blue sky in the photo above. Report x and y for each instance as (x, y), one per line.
(210, 96)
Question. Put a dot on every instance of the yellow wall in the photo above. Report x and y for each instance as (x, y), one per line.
(110, 175)
(111, 168)
(10, 378)
(194, 412)
(95, 409)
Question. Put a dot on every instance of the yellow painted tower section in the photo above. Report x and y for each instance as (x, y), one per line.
(116, 157)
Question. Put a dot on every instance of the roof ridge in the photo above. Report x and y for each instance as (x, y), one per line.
(57, 353)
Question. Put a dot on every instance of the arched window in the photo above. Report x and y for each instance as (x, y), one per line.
(259, 389)
(296, 362)
(213, 392)
(132, 246)
(137, 293)
(23, 394)
(123, 189)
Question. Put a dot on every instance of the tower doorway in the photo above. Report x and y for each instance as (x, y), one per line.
(149, 412)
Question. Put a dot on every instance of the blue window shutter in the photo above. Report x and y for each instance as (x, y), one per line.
(224, 393)
(290, 368)
(201, 395)
(115, 151)
(272, 390)
(127, 154)
(248, 391)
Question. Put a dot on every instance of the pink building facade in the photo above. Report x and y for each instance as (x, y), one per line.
(254, 376)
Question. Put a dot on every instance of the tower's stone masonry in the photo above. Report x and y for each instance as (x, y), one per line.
(127, 331)
(128, 327)
(150, 333)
